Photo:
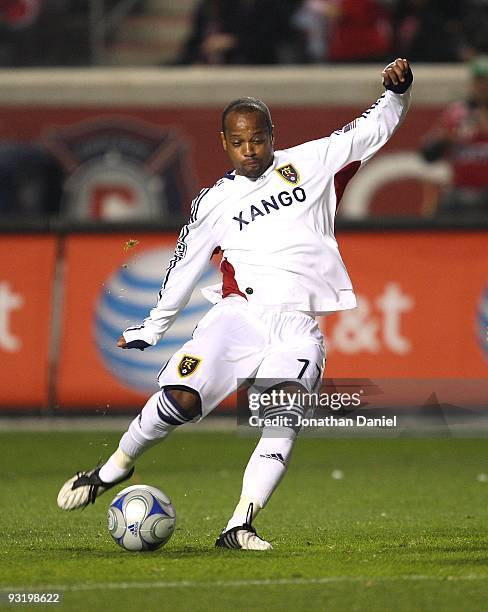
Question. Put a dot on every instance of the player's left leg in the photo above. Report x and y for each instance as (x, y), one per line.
(295, 364)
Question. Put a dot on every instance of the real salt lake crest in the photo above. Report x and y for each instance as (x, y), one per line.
(126, 299)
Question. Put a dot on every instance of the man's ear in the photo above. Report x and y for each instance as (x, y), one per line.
(224, 142)
(272, 135)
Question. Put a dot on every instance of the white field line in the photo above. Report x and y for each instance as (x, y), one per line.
(214, 424)
(96, 586)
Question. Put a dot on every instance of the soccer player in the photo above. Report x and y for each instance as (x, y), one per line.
(272, 218)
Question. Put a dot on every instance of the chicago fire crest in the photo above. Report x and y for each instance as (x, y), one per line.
(120, 168)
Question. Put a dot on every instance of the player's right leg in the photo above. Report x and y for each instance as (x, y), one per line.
(161, 414)
(225, 347)
(293, 365)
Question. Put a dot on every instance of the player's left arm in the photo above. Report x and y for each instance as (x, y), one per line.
(192, 254)
(362, 138)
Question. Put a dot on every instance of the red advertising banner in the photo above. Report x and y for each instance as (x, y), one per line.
(423, 306)
(423, 310)
(26, 285)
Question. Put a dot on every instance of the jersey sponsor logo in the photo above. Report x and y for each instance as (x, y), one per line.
(289, 173)
(188, 365)
(284, 198)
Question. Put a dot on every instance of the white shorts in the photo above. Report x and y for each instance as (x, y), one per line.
(234, 342)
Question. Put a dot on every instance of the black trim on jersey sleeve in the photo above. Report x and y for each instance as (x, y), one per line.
(185, 230)
(352, 124)
(196, 203)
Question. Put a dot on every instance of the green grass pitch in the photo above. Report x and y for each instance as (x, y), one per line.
(406, 528)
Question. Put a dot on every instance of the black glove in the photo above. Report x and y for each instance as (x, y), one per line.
(402, 87)
(137, 344)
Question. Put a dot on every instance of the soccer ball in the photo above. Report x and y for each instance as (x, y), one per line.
(141, 518)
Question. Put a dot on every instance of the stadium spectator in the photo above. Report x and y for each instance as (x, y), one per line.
(313, 20)
(16, 14)
(17, 22)
(240, 32)
(429, 30)
(30, 181)
(359, 31)
(475, 29)
(461, 137)
(44, 32)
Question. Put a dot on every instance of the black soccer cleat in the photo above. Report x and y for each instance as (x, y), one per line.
(242, 537)
(84, 488)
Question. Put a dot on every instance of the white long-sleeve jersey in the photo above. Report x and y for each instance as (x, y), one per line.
(276, 233)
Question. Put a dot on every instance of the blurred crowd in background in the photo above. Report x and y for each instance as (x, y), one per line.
(61, 32)
(318, 31)
(253, 32)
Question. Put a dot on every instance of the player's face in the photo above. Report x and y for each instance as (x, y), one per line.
(248, 143)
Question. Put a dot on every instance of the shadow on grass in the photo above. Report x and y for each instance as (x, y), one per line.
(454, 555)
(452, 549)
(481, 561)
(188, 551)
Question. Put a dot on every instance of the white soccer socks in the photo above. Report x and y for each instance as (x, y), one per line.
(117, 466)
(156, 421)
(159, 417)
(265, 469)
(240, 515)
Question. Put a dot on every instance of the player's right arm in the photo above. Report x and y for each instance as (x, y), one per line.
(193, 251)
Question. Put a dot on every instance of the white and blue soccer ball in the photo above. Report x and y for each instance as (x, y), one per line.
(141, 518)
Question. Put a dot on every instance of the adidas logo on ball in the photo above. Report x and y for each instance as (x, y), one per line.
(133, 529)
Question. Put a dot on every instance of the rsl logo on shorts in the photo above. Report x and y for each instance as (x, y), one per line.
(289, 173)
(188, 365)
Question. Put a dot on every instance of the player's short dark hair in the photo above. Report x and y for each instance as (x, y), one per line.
(248, 105)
